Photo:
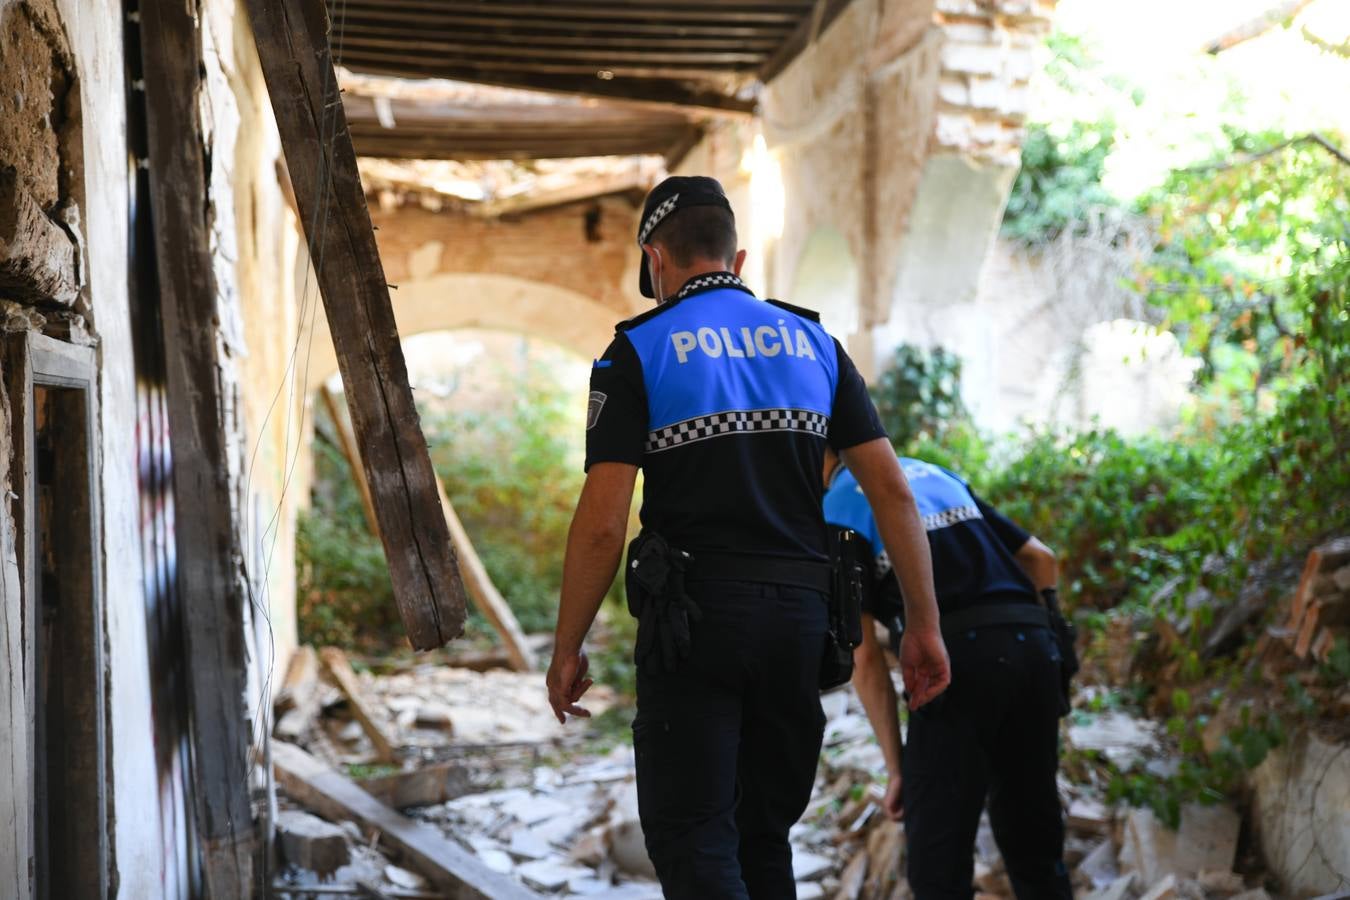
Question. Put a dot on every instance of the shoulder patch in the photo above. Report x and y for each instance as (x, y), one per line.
(594, 404)
(802, 311)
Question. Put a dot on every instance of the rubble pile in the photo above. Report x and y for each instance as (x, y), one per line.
(479, 759)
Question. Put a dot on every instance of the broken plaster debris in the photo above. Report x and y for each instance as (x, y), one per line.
(556, 810)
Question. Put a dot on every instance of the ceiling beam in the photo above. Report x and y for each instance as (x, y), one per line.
(769, 13)
(458, 22)
(590, 56)
(654, 92)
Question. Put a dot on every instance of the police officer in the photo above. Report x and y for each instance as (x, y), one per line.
(727, 403)
(994, 732)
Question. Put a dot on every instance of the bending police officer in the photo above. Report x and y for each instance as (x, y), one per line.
(995, 732)
(727, 403)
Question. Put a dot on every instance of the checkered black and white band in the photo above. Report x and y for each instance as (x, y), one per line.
(742, 421)
(702, 282)
(950, 517)
(665, 208)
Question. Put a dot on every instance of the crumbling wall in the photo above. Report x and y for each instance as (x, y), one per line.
(40, 159)
(569, 247)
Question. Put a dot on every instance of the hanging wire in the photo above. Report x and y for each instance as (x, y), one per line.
(295, 388)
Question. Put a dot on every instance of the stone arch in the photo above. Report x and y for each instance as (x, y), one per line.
(447, 302)
(828, 280)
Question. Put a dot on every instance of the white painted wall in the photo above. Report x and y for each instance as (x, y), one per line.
(95, 31)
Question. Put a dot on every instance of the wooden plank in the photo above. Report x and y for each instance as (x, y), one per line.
(339, 668)
(292, 45)
(357, 15)
(207, 547)
(450, 867)
(37, 256)
(653, 91)
(347, 443)
(1311, 567)
(588, 56)
(431, 784)
(485, 595)
(299, 698)
(1307, 629)
(19, 842)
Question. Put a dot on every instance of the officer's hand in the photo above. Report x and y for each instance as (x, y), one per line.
(924, 665)
(892, 804)
(567, 681)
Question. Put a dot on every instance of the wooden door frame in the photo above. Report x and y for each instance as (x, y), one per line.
(34, 361)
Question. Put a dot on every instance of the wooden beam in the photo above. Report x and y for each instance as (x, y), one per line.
(485, 595)
(588, 56)
(657, 92)
(347, 444)
(208, 579)
(514, 37)
(298, 700)
(669, 15)
(339, 668)
(1255, 27)
(450, 867)
(453, 20)
(37, 256)
(292, 39)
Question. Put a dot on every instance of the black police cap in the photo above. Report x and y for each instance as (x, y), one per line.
(676, 192)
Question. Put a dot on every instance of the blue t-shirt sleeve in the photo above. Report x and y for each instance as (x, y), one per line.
(1009, 533)
(854, 419)
(616, 413)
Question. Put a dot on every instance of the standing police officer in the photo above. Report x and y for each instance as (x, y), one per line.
(727, 403)
(995, 731)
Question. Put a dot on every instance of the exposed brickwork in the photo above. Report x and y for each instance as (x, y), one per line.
(987, 63)
(550, 246)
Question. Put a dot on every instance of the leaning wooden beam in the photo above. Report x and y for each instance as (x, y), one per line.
(292, 39)
(452, 869)
(1258, 25)
(207, 575)
(339, 668)
(482, 591)
(347, 443)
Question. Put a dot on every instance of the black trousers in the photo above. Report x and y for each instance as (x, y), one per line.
(727, 747)
(993, 734)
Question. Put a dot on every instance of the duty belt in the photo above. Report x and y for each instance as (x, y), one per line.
(995, 614)
(816, 576)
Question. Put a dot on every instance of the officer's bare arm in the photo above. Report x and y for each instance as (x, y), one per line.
(897, 516)
(594, 547)
(923, 655)
(1038, 561)
(872, 681)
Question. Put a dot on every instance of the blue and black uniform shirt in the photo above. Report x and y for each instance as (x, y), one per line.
(972, 543)
(727, 403)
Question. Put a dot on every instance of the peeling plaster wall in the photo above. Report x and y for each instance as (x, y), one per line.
(82, 182)
(95, 31)
(255, 246)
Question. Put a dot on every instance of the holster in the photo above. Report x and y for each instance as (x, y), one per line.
(844, 632)
(654, 583)
(1066, 636)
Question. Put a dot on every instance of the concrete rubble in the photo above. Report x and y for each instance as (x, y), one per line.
(555, 809)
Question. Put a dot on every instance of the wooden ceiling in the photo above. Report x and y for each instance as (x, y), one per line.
(673, 65)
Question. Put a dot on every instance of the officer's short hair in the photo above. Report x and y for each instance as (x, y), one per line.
(699, 232)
